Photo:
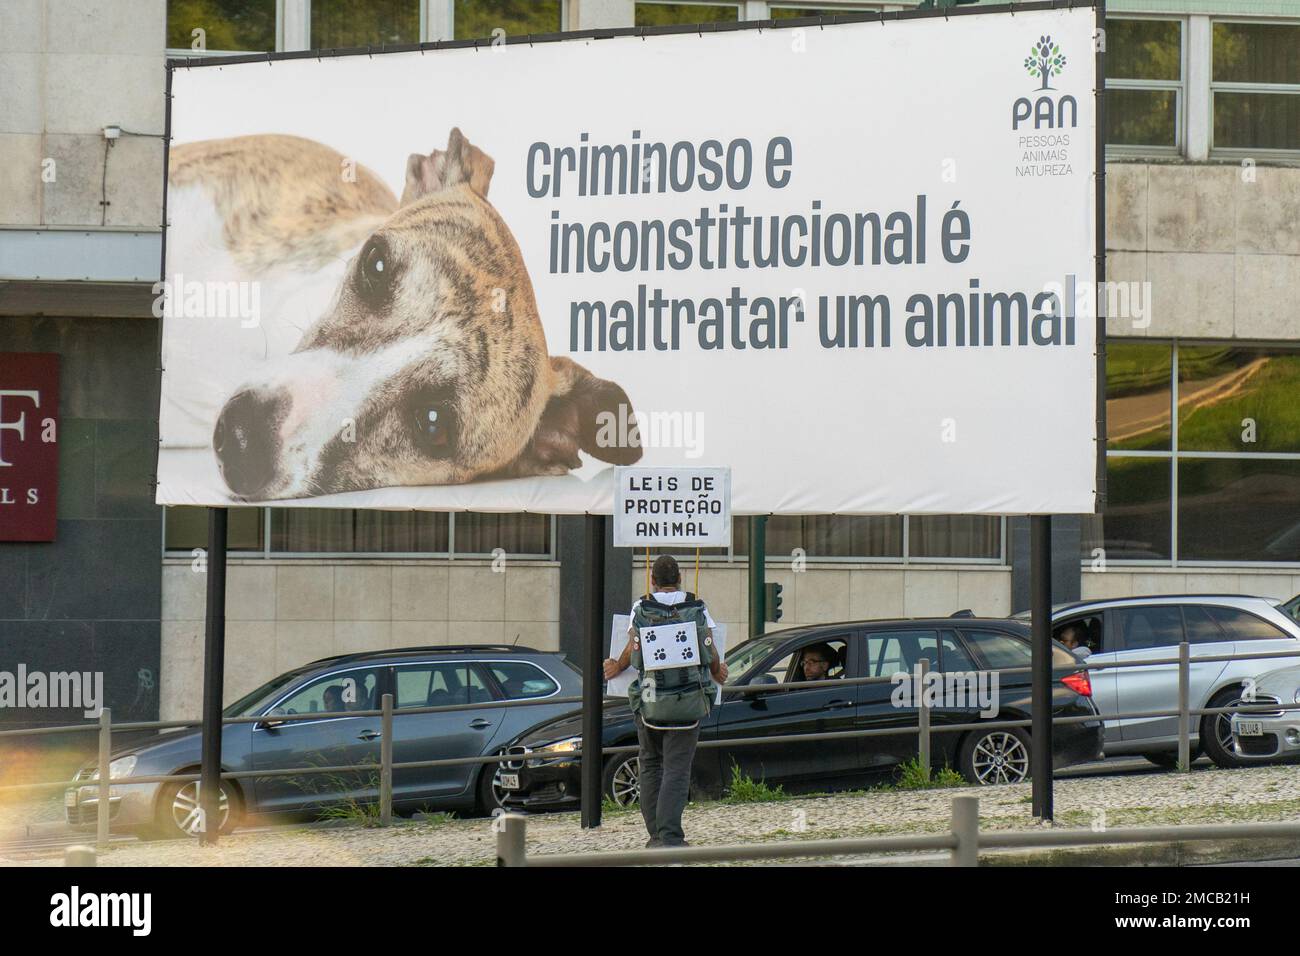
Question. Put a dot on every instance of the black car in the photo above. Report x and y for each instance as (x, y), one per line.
(543, 778)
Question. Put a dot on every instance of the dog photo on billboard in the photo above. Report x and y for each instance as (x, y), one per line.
(423, 361)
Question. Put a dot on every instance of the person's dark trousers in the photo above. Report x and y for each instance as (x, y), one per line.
(665, 779)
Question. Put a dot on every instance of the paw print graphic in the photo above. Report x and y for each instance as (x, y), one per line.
(661, 654)
(687, 653)
(681, 637)
(650, 637)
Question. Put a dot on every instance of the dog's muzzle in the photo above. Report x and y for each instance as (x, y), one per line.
(247, 441)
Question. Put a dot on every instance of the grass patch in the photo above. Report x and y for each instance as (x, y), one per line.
(743, 789)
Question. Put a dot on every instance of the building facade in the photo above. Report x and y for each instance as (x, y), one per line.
(1203, 460)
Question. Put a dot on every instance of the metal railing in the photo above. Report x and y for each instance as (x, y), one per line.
(963, 840)
(924, 728)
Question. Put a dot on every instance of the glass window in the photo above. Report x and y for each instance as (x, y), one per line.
(1200, 626)
(340, 691)
(889, 652)
(786, 13)
(1238, 509)
(839, 536)
(344, 23)
(999, 650)
(953, 655)
(955, 536)
(438, 685)
(515, 533)
(521, 680)
(221, 25)
(666, 14)
(482, 18)
(1143, 627)
(1144, 83)
(1138, 395)
(1238, 399)
(1138, 520)
(187, 528)
(1244, 626)
(341, 530)
(1255, 82)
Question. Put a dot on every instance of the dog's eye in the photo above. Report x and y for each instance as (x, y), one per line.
(375, 273)
(433, 416)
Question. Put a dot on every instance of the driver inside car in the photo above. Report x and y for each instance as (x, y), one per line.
(817, 661)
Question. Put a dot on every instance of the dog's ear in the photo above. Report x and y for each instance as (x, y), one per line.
(461, 162)
(587, 413)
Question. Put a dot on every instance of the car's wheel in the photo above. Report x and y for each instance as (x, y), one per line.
(1216, 730)
(178, 810)
(622, 782)
(491, 797)
(995, 756)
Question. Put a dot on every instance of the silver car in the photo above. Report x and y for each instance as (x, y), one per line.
(1146, 628)
(1275, 734)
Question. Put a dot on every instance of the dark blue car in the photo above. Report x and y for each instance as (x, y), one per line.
(417, 677)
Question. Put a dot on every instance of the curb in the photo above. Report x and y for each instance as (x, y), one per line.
(1190, 853)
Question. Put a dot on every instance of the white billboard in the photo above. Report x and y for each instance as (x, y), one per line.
(852, 264)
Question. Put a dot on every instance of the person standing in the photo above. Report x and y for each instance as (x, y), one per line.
(669, 702)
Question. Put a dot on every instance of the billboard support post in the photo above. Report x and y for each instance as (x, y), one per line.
(214, 661)
(1040, 588)
(593, 658)
(757, 573)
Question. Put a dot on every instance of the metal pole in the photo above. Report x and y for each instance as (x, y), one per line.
(757, 573)
(593, 655)
(511, 829)
(923, 749)
(79, 856)
(1184, 707)
(386, 763)
(966, 828)
(105, 784)
(214, 662)
(1040, 587)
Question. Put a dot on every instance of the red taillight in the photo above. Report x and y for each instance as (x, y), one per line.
(1079, 683)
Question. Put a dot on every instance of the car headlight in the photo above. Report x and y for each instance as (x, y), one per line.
(119, 768)
(1297, 695)
(566, 746)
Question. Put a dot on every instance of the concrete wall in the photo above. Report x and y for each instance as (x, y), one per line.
(284, 613)
(1220, 245)
(68, 68)
(1123, 582)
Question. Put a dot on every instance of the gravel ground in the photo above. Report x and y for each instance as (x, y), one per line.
(1262, 794)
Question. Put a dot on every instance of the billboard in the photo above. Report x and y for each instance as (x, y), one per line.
(852, 264)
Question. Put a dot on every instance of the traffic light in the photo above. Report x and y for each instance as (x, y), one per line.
(772, 601)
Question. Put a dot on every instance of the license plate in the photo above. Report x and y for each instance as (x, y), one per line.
(1250, 728)
(510, 781)
(70, 799)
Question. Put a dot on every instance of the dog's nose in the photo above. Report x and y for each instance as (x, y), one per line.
(246, 441)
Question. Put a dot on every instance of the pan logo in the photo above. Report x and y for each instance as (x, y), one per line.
(1045, 61)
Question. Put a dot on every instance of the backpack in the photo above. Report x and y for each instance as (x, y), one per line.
(672, 698)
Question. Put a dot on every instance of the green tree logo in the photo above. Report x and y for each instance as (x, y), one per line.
(1045, 60)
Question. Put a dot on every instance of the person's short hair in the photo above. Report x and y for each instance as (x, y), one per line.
(665, 571)
(825, 650)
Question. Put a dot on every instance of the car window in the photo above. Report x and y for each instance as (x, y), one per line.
(1159, 625)
(953, 655)
(1244, 626)
(332, 693)
(889, 652)
(521, 680)
(1200, 626)
(1001, 650)
(820, 659)
(438, 685)
(1086, 632)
